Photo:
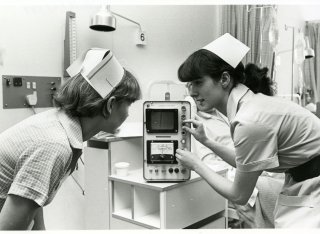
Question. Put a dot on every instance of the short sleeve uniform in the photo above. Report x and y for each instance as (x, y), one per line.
(273, 134)
(270, 133)
(35, 155)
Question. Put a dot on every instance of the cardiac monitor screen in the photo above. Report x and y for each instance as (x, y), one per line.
(162, 120)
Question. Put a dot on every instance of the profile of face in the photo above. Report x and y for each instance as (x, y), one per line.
(119, 113)
(207, 93)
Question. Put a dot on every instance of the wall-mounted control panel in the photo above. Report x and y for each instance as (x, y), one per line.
(16, 88)
(162, 136)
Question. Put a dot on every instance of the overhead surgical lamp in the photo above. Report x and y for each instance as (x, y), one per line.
(105, 21)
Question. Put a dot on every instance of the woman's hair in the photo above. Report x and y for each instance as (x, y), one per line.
(78, 98)
(205, 63)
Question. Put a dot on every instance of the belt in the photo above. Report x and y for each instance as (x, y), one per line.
(306, 171)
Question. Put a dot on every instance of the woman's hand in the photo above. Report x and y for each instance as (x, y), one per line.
(188, 159)
(198, 132)
(247, 215)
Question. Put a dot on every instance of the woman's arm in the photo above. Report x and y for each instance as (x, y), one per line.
(38, 220)
(237, 192)
(17, 213)
(226, 153)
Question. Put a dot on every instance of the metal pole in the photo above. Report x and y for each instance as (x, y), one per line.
(292, 64)
(292, 58)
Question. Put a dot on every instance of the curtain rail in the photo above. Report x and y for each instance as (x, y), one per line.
(313, 21)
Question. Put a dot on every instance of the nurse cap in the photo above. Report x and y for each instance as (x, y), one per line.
(103, 74)
(228, 48)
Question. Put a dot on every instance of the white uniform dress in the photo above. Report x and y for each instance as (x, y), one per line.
(274, 135)
(36, 154)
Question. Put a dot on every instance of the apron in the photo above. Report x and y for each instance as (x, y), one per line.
(298, 205)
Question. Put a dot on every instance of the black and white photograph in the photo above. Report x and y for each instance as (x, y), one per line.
(159, 115)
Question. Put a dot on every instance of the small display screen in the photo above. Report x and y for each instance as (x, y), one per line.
(161, 152)
(162, 121)
(162, 148)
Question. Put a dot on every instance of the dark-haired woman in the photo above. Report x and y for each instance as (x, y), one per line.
(269, 134)
(39, 152)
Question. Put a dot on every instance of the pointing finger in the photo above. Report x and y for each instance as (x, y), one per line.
(195, 123)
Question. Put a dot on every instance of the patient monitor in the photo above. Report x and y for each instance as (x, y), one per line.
(162, 135)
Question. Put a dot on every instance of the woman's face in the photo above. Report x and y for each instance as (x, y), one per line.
(119, 113)
(207, 93)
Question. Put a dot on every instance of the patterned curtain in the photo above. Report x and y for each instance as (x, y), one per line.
(252, 28)
(312, 65)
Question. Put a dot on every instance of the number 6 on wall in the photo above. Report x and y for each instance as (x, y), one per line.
(141, 38)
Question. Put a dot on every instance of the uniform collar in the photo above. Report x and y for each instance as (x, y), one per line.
(72, 127)
(208, 114)
(234, 98)
(214, 113)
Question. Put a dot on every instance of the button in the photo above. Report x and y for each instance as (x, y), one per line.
(183, 117)
(170, 170)
(183, 141)
(150, 170)
(163, 170)
(183, 132)
(183, 170)
(156, 170)
(176, 170)
(183, 108)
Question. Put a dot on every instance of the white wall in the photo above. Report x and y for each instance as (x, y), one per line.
(32, 40)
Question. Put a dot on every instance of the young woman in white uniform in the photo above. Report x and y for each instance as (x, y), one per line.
(269, 134)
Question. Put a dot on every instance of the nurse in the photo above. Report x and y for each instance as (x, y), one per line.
(269, 134)
(39, 152)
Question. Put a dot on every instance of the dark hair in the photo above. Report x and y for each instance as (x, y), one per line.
(205, 63)
(258, 81)
(78, 98)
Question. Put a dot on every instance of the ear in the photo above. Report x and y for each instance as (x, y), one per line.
(225, 79)
(110, 104)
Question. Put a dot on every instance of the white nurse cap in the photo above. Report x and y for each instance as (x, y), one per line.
(103, 74)
(228, 48)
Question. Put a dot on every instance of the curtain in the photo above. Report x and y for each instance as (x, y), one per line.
(312, 65)
(252, 28)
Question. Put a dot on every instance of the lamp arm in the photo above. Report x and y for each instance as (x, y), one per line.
(123, 17)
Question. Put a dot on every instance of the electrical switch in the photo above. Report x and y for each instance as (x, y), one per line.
(17, 81)
(34, 85)
(8, 82)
